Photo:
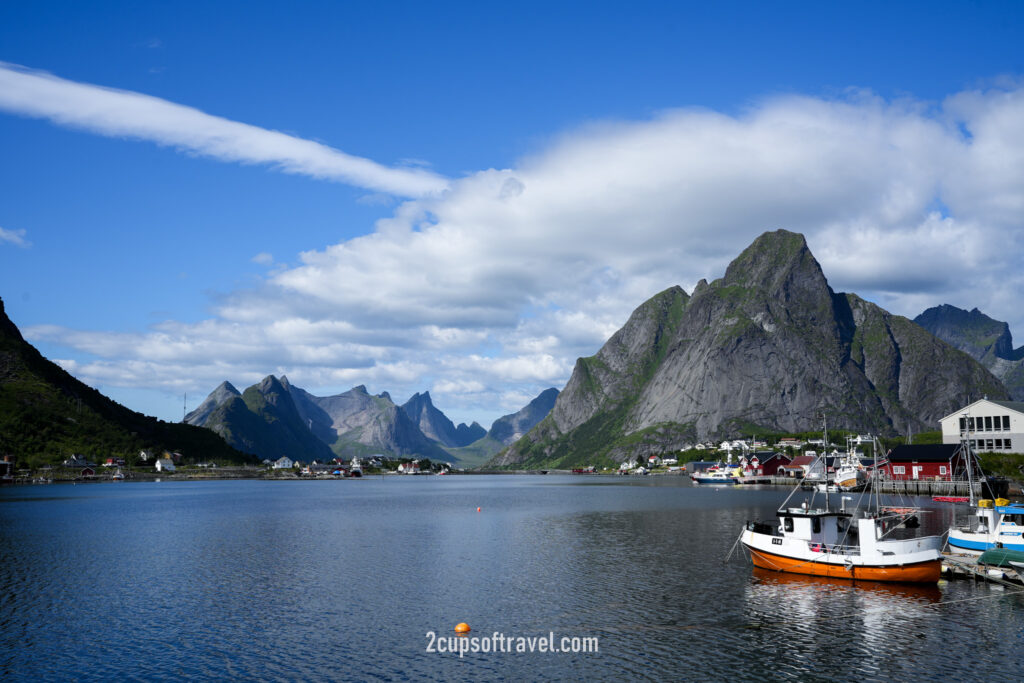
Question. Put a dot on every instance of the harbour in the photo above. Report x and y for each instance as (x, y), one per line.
(316, 580)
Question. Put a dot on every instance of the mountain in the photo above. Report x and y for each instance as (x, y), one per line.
(46, 415)
(769, 347)
(359, 423)
(264, 421)
(435, 425)
(510, 428)
(984, 339)
(505, 431)
(217, 397)
(275, 418)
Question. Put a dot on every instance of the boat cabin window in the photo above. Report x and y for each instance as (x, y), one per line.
(787, 523)
(816, 525)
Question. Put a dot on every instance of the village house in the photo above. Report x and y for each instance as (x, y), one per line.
(926, 461)
(988, 425)
(283, 463)
(765, 464)
(165, 465)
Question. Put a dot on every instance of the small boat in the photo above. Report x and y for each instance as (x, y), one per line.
(715, 477)
(992, 523)
(857, 543)
(1002, 557)
(720, 473)
(118, 476)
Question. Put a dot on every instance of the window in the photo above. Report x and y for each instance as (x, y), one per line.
(942, 469)
(988, 423)
(990, 445)
(788, 523)
(1006, 423)
(899, 469)
(963, 424)
(999, 444)
(816, 525)
(970, 424)
(1006, 442)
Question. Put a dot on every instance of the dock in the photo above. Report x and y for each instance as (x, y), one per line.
(955, 566)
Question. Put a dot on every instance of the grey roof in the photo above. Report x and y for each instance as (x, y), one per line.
(937, 452)
(1012, 405)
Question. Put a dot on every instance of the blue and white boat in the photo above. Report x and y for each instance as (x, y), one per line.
(717, 475)
(992, 524)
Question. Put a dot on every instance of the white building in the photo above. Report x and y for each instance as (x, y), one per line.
(164, 465)
(284, 463)
(990, 425)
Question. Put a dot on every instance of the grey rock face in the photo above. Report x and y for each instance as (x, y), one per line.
(435, 424)
(217, 397)
(768, 347)
(984, 339)
(510, 428)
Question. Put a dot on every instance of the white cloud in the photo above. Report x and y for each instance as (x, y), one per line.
(489, 292)
(120, 113)
(263, 258)
(15, 237)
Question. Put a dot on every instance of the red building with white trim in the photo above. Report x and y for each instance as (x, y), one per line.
(928, 461)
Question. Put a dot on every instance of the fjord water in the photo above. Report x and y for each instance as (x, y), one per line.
(342, 580)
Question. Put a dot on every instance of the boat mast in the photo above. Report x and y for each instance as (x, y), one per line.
(965, 445)
(824, 457)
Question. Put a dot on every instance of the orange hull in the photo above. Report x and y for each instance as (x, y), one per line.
(921, 572)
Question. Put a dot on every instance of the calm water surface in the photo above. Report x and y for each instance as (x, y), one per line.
(342, 580)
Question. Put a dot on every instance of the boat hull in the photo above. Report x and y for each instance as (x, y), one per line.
(928, 571)
(980, 542)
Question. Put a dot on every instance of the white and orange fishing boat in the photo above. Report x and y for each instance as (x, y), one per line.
(856, 543)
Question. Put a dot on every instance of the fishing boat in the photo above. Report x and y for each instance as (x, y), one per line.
(991, 523)
(716, 476)
(850, 474)
(856, 543)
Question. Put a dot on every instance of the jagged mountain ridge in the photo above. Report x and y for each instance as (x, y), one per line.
(767, 347)
(46, 414)
(986, 340)
(217, 397)
(264, 421)
(435, 424)
(510, 428)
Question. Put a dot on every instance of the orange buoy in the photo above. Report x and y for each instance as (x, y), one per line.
(478, 509)
(462, 627)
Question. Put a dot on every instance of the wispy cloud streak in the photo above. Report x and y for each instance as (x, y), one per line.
(15, 237)
(122, 113)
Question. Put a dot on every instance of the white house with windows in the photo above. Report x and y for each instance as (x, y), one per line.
(165, 465)
(990, 426)
(283, 463)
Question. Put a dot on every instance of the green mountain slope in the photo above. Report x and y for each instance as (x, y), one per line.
(46, 415)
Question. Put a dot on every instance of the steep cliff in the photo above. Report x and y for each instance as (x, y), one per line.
(768, 347)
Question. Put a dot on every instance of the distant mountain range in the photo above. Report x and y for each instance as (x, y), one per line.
(275, 418)
(46, 415)
(769, 347)
(984, 339)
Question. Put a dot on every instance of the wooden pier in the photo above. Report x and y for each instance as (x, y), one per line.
(967, 567)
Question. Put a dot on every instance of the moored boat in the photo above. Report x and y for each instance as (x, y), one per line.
(992, 524)
(716, 476)
(844, 543)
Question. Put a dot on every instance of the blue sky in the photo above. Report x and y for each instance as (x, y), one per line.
(463, 199)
